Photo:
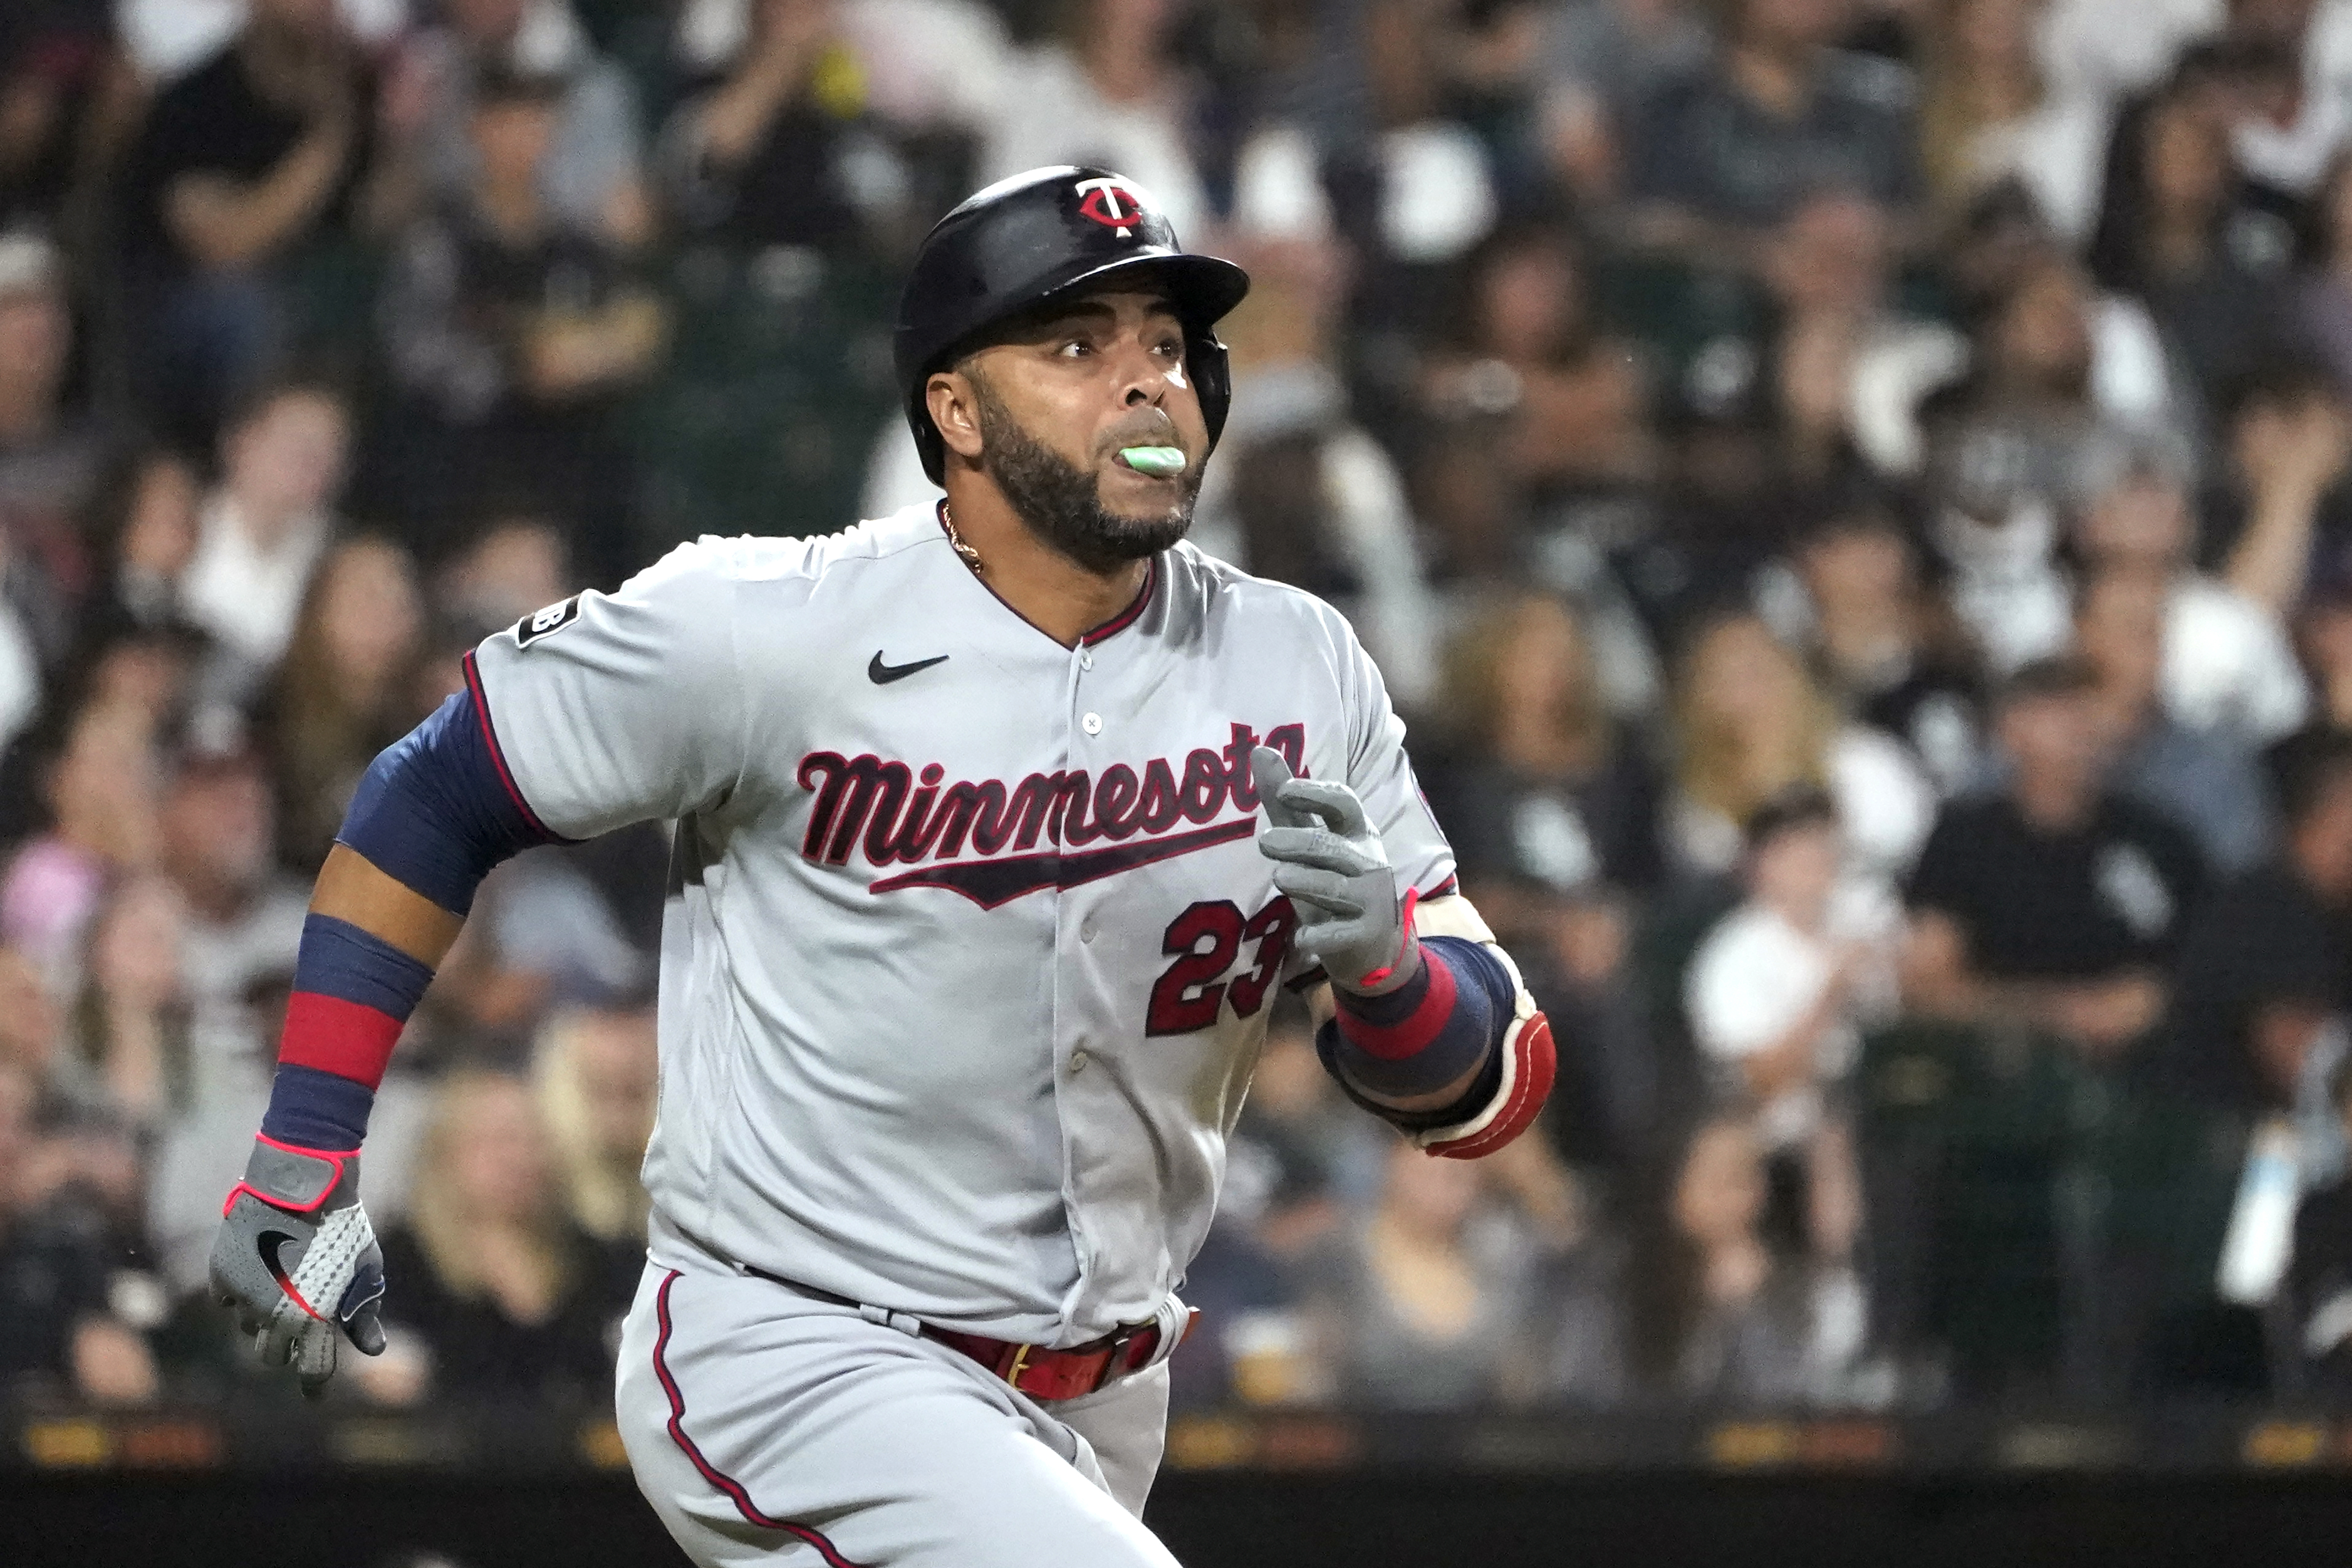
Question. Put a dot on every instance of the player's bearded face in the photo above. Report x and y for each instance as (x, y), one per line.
(1063, 503)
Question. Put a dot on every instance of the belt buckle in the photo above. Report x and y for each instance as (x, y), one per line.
(1020, 1364)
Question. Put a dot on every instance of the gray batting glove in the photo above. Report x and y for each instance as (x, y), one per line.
(1328, 859)
(297, 1259)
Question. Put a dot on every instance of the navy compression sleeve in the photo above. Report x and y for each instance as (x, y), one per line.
(435, 811)
(440, 807)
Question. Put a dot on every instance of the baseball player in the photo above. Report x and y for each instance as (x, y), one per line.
(997, 822)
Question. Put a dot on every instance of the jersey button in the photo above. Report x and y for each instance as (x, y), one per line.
(1085, 662)
(1086, 932)
(1078, 1061)
(1091, 723)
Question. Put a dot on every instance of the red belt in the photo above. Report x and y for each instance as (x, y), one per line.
(1035, 1371)
(1043, 1373)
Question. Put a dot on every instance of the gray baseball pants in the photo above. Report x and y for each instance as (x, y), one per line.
(773, 1429)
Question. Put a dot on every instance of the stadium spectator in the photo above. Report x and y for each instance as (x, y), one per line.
(1886, 646)
(511, 332)
(2322, 310)
(2056, 903)
(2182, 232)
(61, 90)
(99, 780)
(1779, 991)
(594, 1073)
(2268, 963)
(55, 1327)
(2318, 1298)
(147, 531)
(592, 179)
(1551, 787)
(54, 456)
(31, 1024)
(1304, 493)
(1281, 1202)
(2278, 516)
(499, 1294)
(2227, 665)
(1750, 723)
(1417, 1306)
(244, 910)
(129, 1047)
(1622, 1086)
(1298, 1165)
(2282, 90)
(1109, 90)
(763, 154)
(544, 936)
(511, 568)
(1528, 346)
(1850, 361)
(1988, 113)
(1725, 152)
(2204, 780)
(338, 698)
(264, 526)
(242, 164)
(2057, 377)
(1598, 64)
(1695, 1306)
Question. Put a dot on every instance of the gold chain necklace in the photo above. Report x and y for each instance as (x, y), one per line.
(969, 556)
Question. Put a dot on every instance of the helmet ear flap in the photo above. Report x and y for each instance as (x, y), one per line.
(1213, 378)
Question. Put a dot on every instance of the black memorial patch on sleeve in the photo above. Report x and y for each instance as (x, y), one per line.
(552, 619)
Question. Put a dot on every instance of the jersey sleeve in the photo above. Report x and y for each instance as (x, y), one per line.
(609, 709)
(1381, 773)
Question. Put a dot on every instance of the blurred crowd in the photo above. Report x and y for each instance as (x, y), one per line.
(1853, 498)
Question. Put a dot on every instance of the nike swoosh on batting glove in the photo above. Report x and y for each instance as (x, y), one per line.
(298, 1261)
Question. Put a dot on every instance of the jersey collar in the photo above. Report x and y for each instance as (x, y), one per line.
(1107, 629)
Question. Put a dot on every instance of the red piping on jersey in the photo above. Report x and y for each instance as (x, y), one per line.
(1111, 627)
(1126, 617)
(498, 755)
(710, 1472)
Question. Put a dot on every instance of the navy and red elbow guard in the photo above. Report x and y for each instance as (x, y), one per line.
(1464, 1011)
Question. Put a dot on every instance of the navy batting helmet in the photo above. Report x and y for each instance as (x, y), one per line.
(1037, 236)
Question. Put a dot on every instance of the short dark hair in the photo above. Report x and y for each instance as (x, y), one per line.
(1794, 810)
(2276, 385)
(260, 400)
(2059, 674)
(503, 84)
(2304, 767)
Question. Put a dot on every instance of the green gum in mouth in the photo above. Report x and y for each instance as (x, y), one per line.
(1159, 462)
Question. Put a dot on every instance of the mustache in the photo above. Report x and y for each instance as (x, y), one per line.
(1150, 427)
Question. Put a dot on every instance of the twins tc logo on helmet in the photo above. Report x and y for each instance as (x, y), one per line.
(1112, 202)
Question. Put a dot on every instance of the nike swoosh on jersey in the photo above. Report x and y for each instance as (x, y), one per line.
(990, 883)
(882, 674)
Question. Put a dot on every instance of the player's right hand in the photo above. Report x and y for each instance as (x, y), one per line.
(297, 1259)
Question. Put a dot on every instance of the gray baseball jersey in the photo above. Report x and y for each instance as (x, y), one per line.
(969, 951)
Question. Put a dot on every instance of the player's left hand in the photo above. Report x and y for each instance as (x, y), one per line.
(1329, 860)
